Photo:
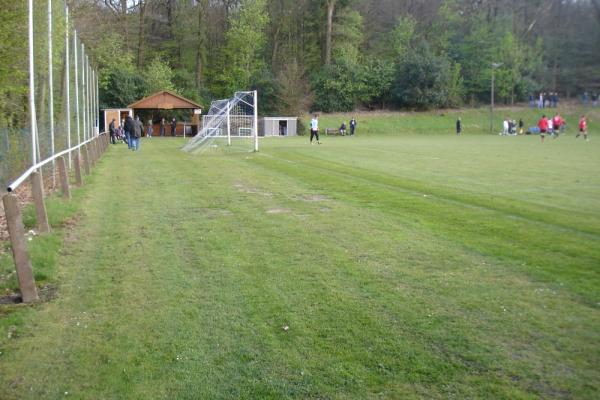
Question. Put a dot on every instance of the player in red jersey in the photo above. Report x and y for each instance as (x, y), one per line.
(543, 125)
(582, 128)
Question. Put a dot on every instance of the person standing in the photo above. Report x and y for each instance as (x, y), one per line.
(543, 125)
(162, 127)
(582, 128)
(138, 128)
(352, 126)
(557, 125)
(314, 129)
(458, 126)
(112, 131)
(521, 126)
(149, 129)
(129, 128)
(174, 127)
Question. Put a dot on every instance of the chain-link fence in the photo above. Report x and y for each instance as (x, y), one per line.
(48, 90)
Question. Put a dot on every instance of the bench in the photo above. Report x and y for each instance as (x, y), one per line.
(332, 131)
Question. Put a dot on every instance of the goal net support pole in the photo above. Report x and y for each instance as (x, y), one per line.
(228, 123)
(255, 121)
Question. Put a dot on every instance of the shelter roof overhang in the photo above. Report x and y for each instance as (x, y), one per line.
(165, 100)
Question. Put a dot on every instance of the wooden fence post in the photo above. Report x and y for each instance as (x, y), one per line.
(16, 231)
(64, 177)
(86, 160)
(37, 190)
(78, 179)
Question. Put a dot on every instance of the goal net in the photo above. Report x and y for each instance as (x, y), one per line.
(229, 122)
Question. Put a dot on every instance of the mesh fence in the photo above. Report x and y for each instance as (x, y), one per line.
(59, 92)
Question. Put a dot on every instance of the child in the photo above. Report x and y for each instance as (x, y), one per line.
(582, 128)
(543, 125)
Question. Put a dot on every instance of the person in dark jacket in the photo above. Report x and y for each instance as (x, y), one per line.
(174, 127)
(112, 131)
(138, 128)
(352, 126)
(129, 127)
(458, 126)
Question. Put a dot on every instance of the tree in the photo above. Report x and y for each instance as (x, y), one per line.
(422, 80)
(243, 55)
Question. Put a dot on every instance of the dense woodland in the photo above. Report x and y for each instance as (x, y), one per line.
(336, 55)
(327, 55)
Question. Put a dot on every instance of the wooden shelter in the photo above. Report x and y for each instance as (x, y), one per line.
(166, 104)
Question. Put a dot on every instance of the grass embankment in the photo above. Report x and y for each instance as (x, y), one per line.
(404, 267)
(475, 121)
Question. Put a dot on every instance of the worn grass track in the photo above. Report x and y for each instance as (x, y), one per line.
(405, 267)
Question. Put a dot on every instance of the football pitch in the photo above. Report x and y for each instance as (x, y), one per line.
(365, 267)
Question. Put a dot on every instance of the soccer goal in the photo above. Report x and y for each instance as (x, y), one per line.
(228, 121)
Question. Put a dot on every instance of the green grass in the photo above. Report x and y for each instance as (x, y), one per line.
(405, 265)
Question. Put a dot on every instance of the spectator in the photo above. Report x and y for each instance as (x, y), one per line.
(594, 99)
(531, 101)
(138, 128)
(343, 129)
(129, 128)
(149, 129)
(352, 126)
(458, 126)
(521, 125)
(174, 127)
(112, 131)
(162, 127)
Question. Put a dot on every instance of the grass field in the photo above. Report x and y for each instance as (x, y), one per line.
(404, 266)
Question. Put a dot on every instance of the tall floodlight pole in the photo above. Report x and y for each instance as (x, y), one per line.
(255, 120)
(76, 81)
(51, 90)
(494, 67)
(228, 124)
(68, 80)
(32, 117)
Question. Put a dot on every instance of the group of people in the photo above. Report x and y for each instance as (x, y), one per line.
(314, 128)
(352, 127)
(130, 131)
(555, 125)
(594, 97)
(544, 100)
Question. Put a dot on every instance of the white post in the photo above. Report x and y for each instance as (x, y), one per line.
(87, 97)
(76, 81)
(83, 95)
(255, 120)
(97, 105)
(51, 90)
(68, 79)
(228, 124)
(32, 116)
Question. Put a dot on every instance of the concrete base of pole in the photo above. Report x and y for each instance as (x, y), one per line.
(64, 177)
(16, 231)
(77, 164)
(37, 190)
(86, 159)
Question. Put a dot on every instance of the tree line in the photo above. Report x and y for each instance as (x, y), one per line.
(337, 55)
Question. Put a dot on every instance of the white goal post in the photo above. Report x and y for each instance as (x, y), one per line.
(232, 118)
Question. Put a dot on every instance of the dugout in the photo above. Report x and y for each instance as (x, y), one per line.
(169, 105)
(278, 126)
(119, 114)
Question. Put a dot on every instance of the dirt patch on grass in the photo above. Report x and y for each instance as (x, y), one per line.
(248, 189)
(278, 211)
(312, 197)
